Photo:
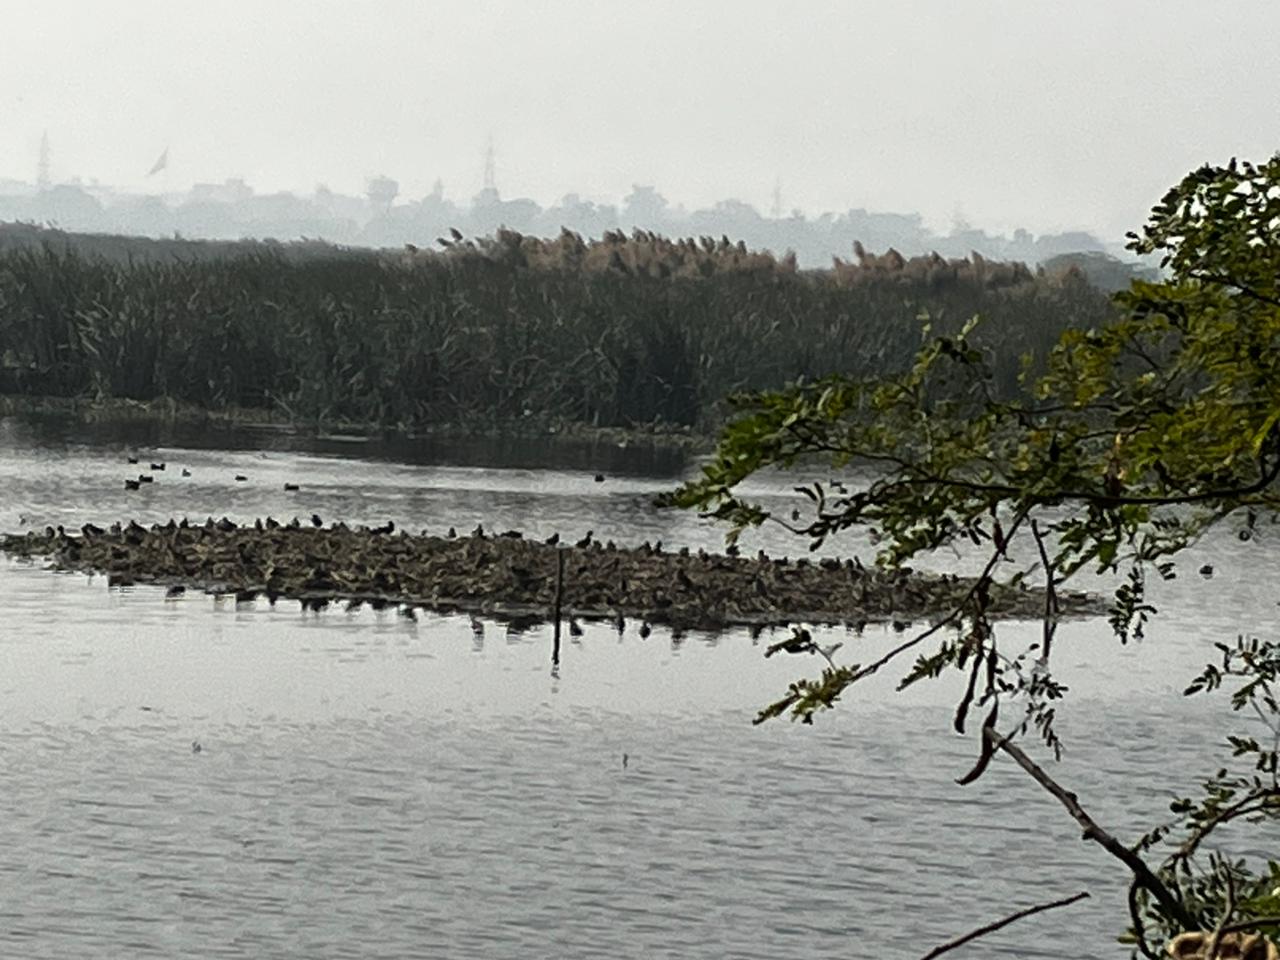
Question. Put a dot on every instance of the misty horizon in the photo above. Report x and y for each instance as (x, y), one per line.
(1003, 115)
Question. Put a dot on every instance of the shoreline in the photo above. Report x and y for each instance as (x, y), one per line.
(509, 577)
(168, 411)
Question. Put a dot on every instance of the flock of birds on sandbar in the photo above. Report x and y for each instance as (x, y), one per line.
(504, 574)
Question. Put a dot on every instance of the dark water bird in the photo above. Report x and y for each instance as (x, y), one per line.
(552, 540)
(186, 472)
(133, 459)
(575, 628)
(407, 611)
(1206, 571)
(316, 521)
(195, 746)
(453, 533)
(478, 532)
(143, 478)
(291, 487)
(599, 478)
(175, 591)
(157, 466)
(89, 530)
(476, 626)
(645, 630)
(455, 233)
(732, 550)
(386, 528)
(241, 478)
(132, 485)
(585, 541)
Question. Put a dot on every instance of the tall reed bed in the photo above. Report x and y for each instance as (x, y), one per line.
(617, 332)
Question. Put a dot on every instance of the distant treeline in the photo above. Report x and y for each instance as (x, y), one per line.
(624, 331)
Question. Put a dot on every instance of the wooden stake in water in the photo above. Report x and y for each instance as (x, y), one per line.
(555, 612)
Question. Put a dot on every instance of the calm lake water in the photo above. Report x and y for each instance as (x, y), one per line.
(367, 786)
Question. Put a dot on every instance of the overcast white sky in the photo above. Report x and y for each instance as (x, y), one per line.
(1044, 115)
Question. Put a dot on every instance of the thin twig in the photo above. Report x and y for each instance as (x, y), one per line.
(983, 579)
(1139, 931)
(1252, 802)
(1240, 926)
(1050, 595)
(1215, 939)
(992, 927)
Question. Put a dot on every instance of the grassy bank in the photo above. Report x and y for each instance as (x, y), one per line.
(623, 333)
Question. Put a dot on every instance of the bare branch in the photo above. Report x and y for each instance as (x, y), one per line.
(992, 927)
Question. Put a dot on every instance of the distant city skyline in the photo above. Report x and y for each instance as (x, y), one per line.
(1001, 113)
(381, 217)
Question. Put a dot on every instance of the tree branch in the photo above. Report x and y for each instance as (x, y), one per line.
(992, 927)
(1171, 905)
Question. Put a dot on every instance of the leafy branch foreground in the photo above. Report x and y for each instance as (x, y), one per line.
(1139, 436)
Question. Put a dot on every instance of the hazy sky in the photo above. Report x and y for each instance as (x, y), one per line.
(1047, 115)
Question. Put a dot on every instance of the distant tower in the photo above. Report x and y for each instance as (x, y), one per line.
(776, 209)
(488, 195)
(490, 169)
(42, 167)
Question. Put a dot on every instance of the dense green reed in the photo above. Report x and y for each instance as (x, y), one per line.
(617, 332)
